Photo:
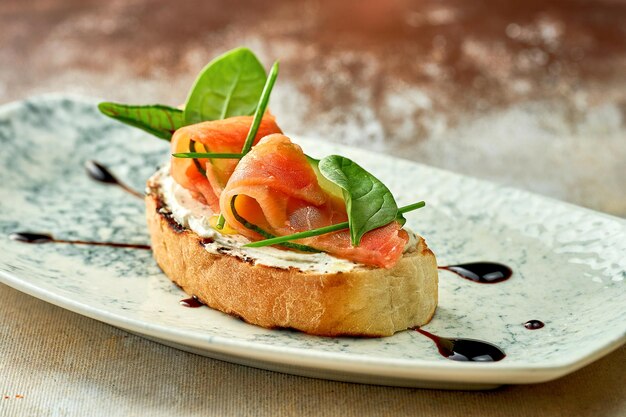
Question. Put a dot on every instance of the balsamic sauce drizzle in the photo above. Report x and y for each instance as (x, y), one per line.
(534, 324)
(481, 272)
(465, 350)
(100, 173)
(37, 238)
(97, 172)
(191, 302)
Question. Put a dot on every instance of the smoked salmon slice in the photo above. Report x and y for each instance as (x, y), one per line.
(276, 189)
(220, 136)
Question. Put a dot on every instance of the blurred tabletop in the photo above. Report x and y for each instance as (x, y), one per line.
(529, 94)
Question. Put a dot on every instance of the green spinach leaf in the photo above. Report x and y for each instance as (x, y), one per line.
(369, 202)
(230, 85)
(159, 120)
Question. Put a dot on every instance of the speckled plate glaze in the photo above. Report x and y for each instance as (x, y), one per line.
(568, 262)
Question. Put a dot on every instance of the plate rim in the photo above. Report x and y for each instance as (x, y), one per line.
(405, 369)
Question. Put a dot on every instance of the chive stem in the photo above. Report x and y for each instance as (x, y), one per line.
(210, 155)
(260, 110)
(322, 230)
(256, 122)
(411, 207)
(221, 221)
(245, 223)
(200, 168)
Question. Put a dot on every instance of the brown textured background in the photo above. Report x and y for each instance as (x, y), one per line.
(530, 94)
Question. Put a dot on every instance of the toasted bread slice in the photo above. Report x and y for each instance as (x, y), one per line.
(365, 301)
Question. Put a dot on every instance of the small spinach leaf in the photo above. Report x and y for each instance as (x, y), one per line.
(369, 202)
(159, 120)
(230, 85)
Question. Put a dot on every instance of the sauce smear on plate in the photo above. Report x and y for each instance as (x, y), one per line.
(465, 350)
(37, 238)
(100, 173)
(481, 272)
(191, 302)
(534, 324)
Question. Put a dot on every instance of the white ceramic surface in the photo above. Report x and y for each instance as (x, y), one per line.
(568, 262)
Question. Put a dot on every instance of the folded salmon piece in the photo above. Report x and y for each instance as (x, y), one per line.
(276, 189)
(220, 136)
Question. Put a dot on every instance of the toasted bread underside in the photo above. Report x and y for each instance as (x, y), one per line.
(366, 301)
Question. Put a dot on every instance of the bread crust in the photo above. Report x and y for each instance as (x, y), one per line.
(366, 301)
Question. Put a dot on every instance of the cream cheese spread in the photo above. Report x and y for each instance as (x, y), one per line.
(192, 214)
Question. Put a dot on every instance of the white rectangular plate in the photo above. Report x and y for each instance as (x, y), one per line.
(568, 262)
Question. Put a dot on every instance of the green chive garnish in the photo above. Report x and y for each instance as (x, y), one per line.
(321, 230)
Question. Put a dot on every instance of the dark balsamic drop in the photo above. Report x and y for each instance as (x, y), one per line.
(37, 238)
(534, 324)
(465, 350)
(100, 173)
(191, 302)
(481, 272)
(28, 237)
